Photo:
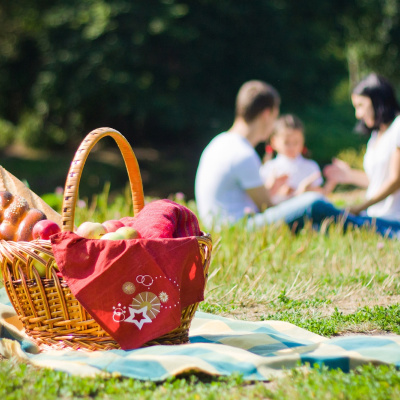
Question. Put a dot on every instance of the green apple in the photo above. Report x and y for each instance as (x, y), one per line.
(91, 230)
(112, 236)
(41, 269)
(128, 232)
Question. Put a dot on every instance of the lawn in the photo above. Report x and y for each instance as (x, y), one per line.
(328, 283)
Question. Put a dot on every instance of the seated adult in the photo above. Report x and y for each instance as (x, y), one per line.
(228, 184)
(378, 111)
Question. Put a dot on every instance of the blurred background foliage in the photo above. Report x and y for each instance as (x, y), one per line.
(165, 73)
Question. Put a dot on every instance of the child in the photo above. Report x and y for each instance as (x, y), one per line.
(289, 173)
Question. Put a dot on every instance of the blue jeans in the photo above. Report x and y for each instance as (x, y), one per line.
(312, 206)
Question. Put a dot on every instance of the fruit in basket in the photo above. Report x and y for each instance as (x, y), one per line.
(91, 230)
(128, 232)
(112, 225)
(123, 233)
(16, 218)
(44, 229)
(41, 269)
(112, 236)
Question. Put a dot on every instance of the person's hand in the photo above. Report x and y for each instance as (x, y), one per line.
(307, 182)
(339, 171)
(356, 209)
(286, 190)
(276, 183)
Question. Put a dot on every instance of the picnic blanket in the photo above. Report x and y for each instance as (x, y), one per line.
(219, 346)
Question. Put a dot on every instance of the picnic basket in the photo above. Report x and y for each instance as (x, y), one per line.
(50, 313)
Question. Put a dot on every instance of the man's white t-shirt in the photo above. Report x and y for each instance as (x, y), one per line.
(377, 167)
(228, 166)
(297, 170)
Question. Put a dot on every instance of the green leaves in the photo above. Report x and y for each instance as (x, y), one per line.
(168, 71)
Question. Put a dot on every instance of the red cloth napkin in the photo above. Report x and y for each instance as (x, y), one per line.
(164, 219)
(135, 289)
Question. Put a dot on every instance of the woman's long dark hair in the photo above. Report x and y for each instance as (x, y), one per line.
(383, 98)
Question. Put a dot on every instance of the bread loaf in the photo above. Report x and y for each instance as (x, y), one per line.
(16, 218)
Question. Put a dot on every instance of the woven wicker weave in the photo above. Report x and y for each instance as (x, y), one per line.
(51, 314)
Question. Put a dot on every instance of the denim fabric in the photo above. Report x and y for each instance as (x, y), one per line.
(293, 211)
(320, 210)
(314, 207)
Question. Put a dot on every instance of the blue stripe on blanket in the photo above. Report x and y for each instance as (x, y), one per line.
(361, 342)
(332, 362)
(4, 298)
(219, 346)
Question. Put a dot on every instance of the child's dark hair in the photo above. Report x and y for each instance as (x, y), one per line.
(383, 99)
(288, 121)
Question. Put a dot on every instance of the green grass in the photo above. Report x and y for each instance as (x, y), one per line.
(25, 382)
(19, 382)
(368, 382)
(35, 173)
(250, 269)
(329, 283)
(105, 164)
(364, 319)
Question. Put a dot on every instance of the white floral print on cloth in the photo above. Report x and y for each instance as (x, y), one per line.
(145, 305)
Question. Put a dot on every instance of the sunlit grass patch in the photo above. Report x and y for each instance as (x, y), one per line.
(326, 282)
(367, 382)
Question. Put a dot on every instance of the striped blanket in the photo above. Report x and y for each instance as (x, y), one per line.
(218, 346)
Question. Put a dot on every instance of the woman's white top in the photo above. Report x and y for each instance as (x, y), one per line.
(377, 167)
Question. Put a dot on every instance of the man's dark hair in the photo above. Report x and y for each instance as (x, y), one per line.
(382, 96)
(253, 98)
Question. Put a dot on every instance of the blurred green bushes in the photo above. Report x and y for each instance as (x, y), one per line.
(167, 71)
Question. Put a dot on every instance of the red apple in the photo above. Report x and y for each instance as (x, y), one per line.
(44, 229)
(112, 225)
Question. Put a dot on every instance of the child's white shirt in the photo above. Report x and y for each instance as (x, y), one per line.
(297, 170)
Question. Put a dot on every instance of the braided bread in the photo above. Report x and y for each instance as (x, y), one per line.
(16, 218)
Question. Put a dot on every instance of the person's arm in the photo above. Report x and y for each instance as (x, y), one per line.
(328, 188)
(260, 196)
(389, 186)
(340, 172)
(274, 184)
(306, 185)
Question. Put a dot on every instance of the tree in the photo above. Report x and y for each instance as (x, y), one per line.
(164, 71)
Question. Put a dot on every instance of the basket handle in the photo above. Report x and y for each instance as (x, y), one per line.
(76, 168)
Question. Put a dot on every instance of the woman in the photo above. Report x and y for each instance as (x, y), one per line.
(377, 109)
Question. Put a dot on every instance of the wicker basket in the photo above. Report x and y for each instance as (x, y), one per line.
(51, 314)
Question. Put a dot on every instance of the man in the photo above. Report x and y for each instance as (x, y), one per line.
(228, 183)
